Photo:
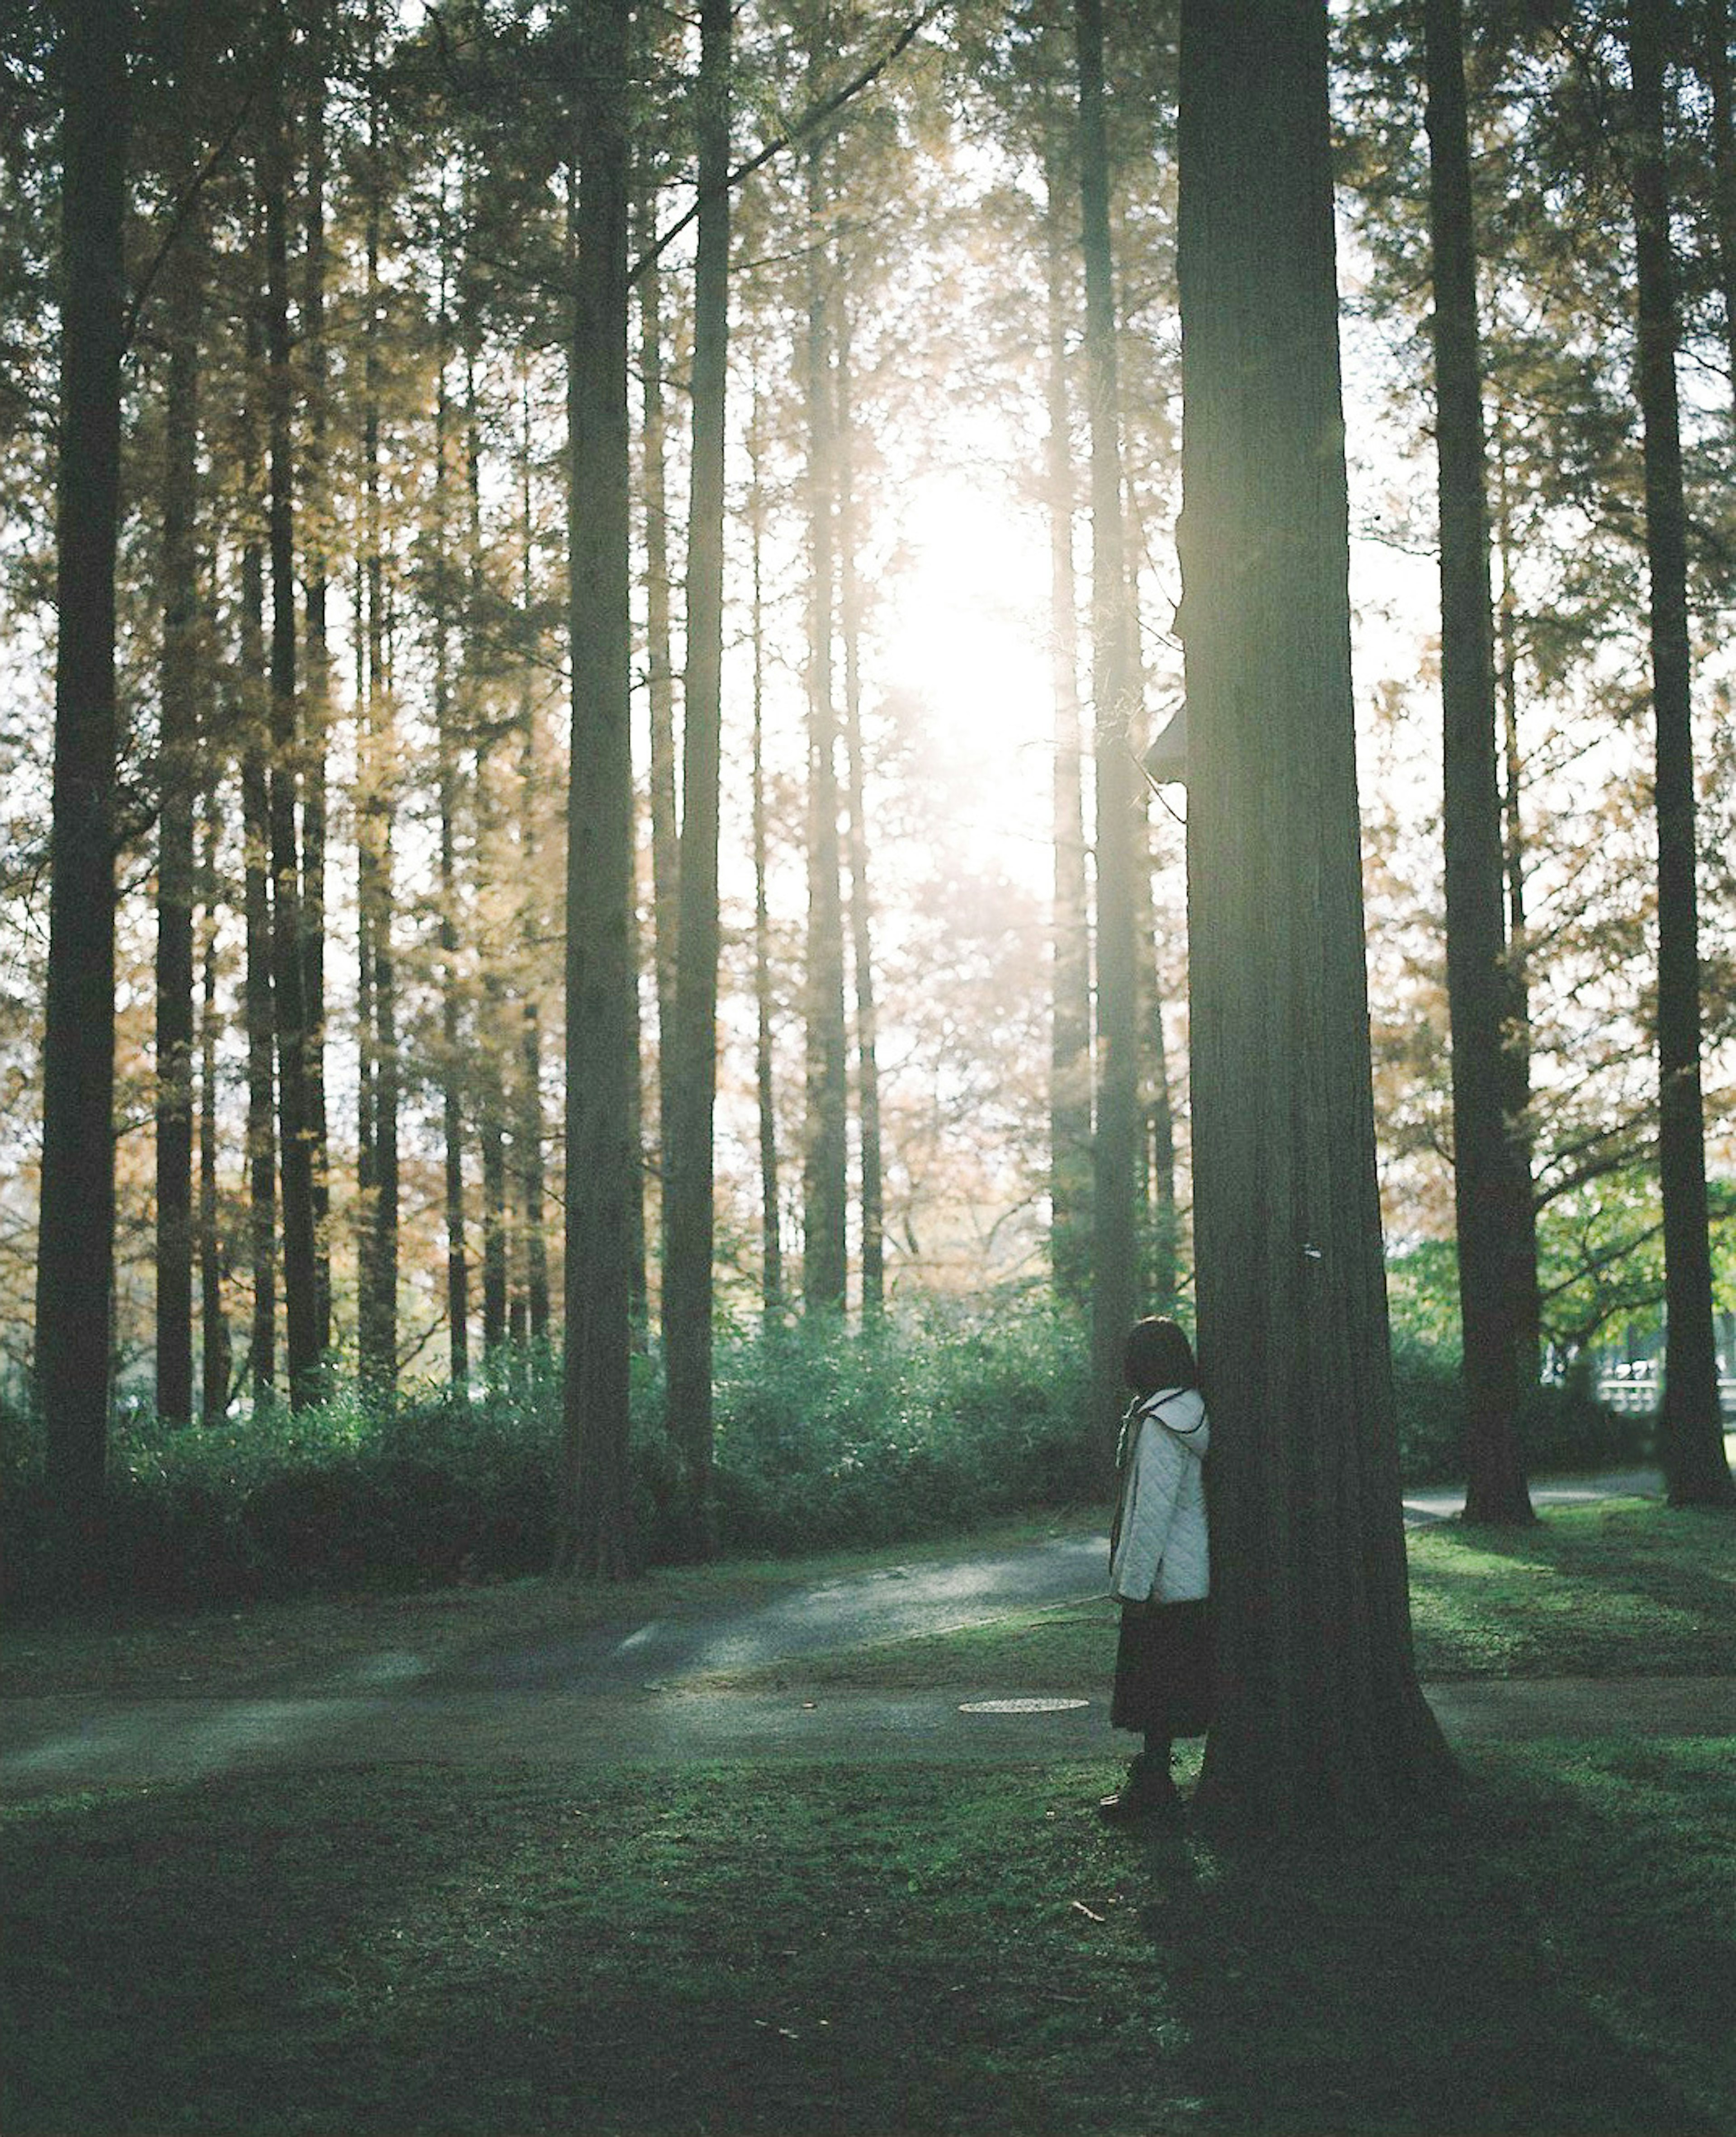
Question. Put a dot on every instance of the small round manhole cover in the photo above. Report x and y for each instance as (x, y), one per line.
(1021, 1706)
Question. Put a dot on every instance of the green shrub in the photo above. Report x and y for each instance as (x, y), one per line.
(940, 1418)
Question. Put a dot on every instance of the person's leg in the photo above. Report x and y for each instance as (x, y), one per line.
(1148, 1787)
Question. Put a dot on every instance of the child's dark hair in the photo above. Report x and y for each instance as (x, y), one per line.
(1158, 1354)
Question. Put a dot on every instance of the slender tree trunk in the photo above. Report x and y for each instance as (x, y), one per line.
(1114, 695)
(452, 1113)
(316, 699)
(295, 1144)
(217, 1362)
(867, 1060)
(690, 1088)
(1691, 1427)
(530, 927)
(1319, 1716)
(771, 1246)
(1492, 1190)
(377, 1247)
(1516, 1040)
(601, 1174)
(177, 760)
(75, 1249)
(259, 1009)
(1070, 1066)
(659, 672)
(824, 1260)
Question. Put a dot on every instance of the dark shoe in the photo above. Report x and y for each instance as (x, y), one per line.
(1142, 1796)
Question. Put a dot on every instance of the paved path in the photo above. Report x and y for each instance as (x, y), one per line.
(628, 1694)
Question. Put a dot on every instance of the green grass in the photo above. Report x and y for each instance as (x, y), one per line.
(1627, 1588)
(282, 1647)
(812, 1949)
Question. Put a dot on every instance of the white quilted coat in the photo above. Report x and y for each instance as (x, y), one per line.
(1161, 1553)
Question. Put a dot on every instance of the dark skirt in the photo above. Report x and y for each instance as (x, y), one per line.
(1163, 1670)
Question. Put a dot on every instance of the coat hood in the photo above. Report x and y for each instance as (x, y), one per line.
(1182, 1411)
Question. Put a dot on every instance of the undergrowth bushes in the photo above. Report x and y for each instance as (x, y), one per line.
(935, 1420)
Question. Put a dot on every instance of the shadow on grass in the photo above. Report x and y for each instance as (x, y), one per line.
(822, 1950)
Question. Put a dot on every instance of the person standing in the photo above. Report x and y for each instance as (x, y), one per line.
(1160, 1566)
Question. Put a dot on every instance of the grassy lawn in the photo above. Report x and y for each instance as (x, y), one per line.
(279, 1647)
(1623, 1588)
(807, 1950)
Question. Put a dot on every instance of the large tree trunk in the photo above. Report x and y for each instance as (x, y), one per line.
(1070, 1067)
(867, 1058)
(75, 1249)
(772, 1243)
(1691, 1428)
(1320, 1715)
(1114, 696)
(1491, 1189)
(690, 1088)
(295, 1156)
(601, 1172)
(825, 1267)
(178, 763)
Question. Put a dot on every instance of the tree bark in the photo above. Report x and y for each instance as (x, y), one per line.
(690, 1089)
(75, 1246)
(1161, 1260)
(1070, 1063)
(216, 1360)
(316, 696)
(259, 1007)
(295, 1155)
(771, 1246)
(1491, 1188)
(1114, 696)
(825, 1267)
(1319, 1717)
(452, 1111)
(177, 763)
(530, 1127)
(1690, 1424)
(660, 676)
(1516, 1048)
(376, 1336)
(602, 1173)
(868, 1059)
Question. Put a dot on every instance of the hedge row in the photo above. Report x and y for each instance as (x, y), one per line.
(926, 1426)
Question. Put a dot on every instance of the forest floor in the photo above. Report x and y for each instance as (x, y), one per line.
(858, 1925)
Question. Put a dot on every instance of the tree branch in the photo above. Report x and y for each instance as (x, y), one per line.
(811, 119)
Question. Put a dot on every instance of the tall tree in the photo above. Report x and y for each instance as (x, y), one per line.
(75, 1250)
(690, 1089)
(1691, 1428)
(1491, 1184)
(602, 1173)
(771, 1244)
(177, 755)
(295, 1152)
(1070, 1077)
(216, 1360)
(1115, 699)
(317, 693)
(1320, 1715)
(825, 1267)
(861, 953)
